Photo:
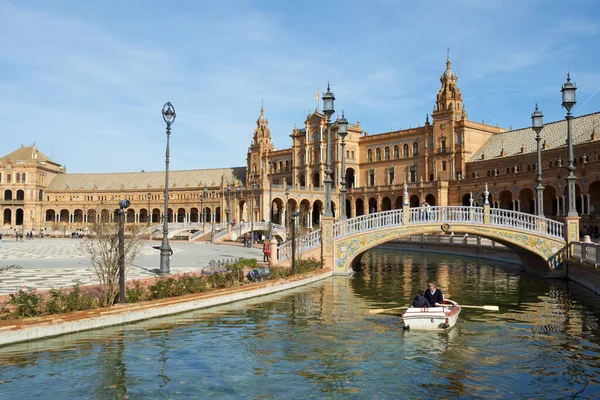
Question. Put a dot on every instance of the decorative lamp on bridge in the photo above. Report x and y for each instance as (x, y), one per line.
(568, 101)
(328, 109)
(342, 124)
(537, 123)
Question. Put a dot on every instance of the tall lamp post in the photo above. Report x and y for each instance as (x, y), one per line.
(294, 215)
(204, 204)
(228, 211)
(537, 123)
(287, 205)
(251, 214)
(123, 204)
(568, 101)
(168, 113)
(328, 102)
(271, 169)
(149, 213)
(343, 131)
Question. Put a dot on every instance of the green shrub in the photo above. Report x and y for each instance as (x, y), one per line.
(61, 301)
(136, 293)
(191, 283)
(278, 272)
(308, 265)
(26, 302)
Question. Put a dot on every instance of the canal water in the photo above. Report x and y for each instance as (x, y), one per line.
(320, 342)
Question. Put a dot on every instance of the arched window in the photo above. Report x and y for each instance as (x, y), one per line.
(396, 152)
(24, 177)
(387, 153)
(415, 149)
(18, 178)
(550, 164)
(378, 154)
(405, 150)
(370, 155)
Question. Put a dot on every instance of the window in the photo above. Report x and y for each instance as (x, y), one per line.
(392, 178)
(458, 139)
(396, 152)
(18, 178)
(550, 164)
(378, 154)
(413, 174)
(415, 149)
(405, 150)
(370, 155)
(443, 146)
(443, 165)
(430, 177)
(8, 176)
(387, 153)
(353, 154)
(488, 173)
(347, 153)
(371, 177)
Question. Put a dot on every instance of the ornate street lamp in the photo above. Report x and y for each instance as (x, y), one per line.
(271, 170)
(537, 123)
(294, 216)
(212, 220)
(343, 131)
(568, 101)
(149, 213)
(228, 212)
(328, 102)
(204, 204)
(168, 113)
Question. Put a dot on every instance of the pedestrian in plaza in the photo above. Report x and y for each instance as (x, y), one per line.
(266, 251)
(247, 239)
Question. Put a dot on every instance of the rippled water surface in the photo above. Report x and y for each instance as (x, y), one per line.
(320, 342)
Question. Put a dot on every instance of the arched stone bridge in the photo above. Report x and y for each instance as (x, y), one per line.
(540, 242)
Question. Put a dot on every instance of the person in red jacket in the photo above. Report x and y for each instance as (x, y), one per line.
(433, 294)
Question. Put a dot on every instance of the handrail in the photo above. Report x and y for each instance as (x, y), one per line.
(303, 244)
(586, 252)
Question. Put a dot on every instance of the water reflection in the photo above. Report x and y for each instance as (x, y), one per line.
(320, 341)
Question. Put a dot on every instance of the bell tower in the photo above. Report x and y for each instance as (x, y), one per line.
(448, 111)
(260, 148)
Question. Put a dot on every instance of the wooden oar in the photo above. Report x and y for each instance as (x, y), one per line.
(489, 308)
(380, 310)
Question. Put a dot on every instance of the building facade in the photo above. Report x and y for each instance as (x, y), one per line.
(446, 161)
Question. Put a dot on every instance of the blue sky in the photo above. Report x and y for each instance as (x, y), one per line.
(86, 81)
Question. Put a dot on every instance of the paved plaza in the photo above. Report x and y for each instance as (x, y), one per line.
(57, 263)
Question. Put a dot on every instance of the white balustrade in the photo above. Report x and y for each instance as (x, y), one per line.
(586, 252)
(303, 244)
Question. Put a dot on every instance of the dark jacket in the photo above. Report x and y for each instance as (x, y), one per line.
(421, 301)
(436, 297)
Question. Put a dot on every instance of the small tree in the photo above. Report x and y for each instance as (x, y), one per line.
(103, 247)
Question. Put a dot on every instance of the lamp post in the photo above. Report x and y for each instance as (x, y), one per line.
(204, 204)
(287, 205)
(149, 213)
(568, 101)
(294, 215)
(168, 113)
(251, 214)
(123, 204)
(537, 123)
(228, 211)
(271, 169)
(328, 102)
(343, 131)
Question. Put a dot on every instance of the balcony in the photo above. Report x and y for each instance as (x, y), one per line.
(12, 202)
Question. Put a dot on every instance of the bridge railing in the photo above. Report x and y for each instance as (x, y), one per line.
(303, 244)
(587, 252)
(367, 222)
(529, 222)
(444, 214)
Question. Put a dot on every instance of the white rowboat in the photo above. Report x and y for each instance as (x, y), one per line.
(432, 318)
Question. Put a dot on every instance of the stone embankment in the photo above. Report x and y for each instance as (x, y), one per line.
(15, 331)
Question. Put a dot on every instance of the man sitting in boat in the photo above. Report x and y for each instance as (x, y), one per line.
(420, 300)
(433, 295)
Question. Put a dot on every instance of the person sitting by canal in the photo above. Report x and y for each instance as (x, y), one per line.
(433, 294)
(420, 300)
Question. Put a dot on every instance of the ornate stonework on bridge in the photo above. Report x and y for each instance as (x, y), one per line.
(537, 240)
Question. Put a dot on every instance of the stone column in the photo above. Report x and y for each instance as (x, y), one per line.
(273, 248)
(588, 204)
(327, 246)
